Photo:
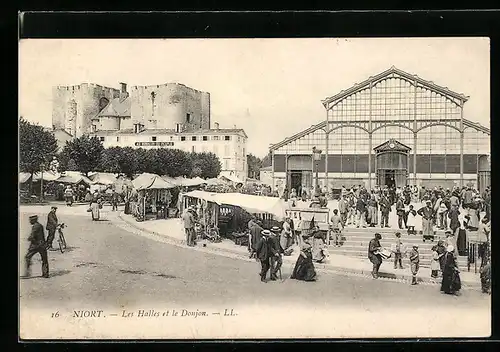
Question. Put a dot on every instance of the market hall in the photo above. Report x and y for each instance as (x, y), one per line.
(392, 129)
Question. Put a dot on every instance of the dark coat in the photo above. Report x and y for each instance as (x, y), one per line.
(264, 248)
(275, 246)
(373, 247)
(51, 221)
(360, 205)
(426, 212)
(256, 234)
(37, 237)
(385, 205)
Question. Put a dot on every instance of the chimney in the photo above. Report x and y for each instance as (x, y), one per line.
(216, 124)
(123, 91)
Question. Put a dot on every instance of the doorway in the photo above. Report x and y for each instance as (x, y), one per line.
(389, 178)
(296, 181)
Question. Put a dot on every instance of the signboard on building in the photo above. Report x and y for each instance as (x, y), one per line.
(154, 144)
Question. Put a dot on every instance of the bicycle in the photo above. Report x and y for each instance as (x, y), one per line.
(60, 239)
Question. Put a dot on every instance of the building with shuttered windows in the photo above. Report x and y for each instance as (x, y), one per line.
(393, 129)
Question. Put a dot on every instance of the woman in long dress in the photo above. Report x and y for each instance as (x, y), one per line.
(304, 267)
(451, 283)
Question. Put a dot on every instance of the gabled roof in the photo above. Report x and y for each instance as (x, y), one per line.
(477, 126)
(392, 144)
(393, 70)
(116, 108)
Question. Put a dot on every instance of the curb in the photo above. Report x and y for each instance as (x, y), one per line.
(324, 268)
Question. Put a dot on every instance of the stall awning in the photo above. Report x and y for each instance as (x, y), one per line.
(251, 203)
(151, 181)
(47, 176)
(103, 178)
(230, 178)
(73, 178)
(24, 177)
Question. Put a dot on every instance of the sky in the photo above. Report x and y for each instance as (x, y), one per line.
(272, 88)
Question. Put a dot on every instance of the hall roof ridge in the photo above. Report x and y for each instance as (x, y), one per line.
(359, 86)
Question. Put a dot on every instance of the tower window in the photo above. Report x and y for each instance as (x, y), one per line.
(205, 138)
(117, 139)
(193, 138)
(188, 118)
(101, 139)
(183, 138)
(227, 138)
(153, 139)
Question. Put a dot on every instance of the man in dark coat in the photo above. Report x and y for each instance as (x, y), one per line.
(51, 226)
(385, 208)
(400, 211)
(37, 245)
(276, 252)
(264, 253)
(256, 234)
(373, 254)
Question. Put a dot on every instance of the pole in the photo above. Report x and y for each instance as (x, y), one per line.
(41, 184)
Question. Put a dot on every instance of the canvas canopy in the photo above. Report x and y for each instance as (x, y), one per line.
(73, 178)
(47, 176)
(151, 181)
(214, 182)
(184, 182)
(103, 178)
(251, 203)
(24, 177)
(230, 178)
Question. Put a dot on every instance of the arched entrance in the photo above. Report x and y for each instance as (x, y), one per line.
(391, 163)
(484, 173)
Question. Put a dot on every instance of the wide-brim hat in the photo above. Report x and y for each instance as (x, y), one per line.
(265, 232)
(275, 229)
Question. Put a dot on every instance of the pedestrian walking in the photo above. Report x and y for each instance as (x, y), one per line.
(374, 248)
(411, 215)
(336, 227)
(276, 258)
(451, 283)
(51, 226)
(385, 208)
(414, 263)
(264, 253)
(304, 267)
(343, 209)
(400, 211)
(37, 245)
(68, 195)
(114, 201)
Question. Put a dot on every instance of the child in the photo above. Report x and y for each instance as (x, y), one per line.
(435, 263)
(336, 226)
(397, 249)
(415, 263)
(412, 220)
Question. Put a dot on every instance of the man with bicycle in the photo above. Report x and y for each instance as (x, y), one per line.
(51, 226)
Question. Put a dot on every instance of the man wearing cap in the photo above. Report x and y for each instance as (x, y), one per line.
(37, 245)
(276, 252)
(263, 253)
(51, 226)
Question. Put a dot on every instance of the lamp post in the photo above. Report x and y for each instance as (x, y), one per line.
(317, 158)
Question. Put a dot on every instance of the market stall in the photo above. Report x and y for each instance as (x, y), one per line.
(230, 212)
(152, 199)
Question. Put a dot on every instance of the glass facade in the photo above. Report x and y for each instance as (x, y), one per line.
(399, 108)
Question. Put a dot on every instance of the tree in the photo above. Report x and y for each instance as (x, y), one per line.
(86, 152)
(36, 146)
(267, 160)
(205, 165)
(254, 164)
(119, 161)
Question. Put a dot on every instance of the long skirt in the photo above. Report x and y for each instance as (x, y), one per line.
(427, 227)
(451, 280)
(95, 211)
(462, 242)
(304, 269)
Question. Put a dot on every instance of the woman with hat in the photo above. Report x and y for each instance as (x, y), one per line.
(451, 283)
(304, 267)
